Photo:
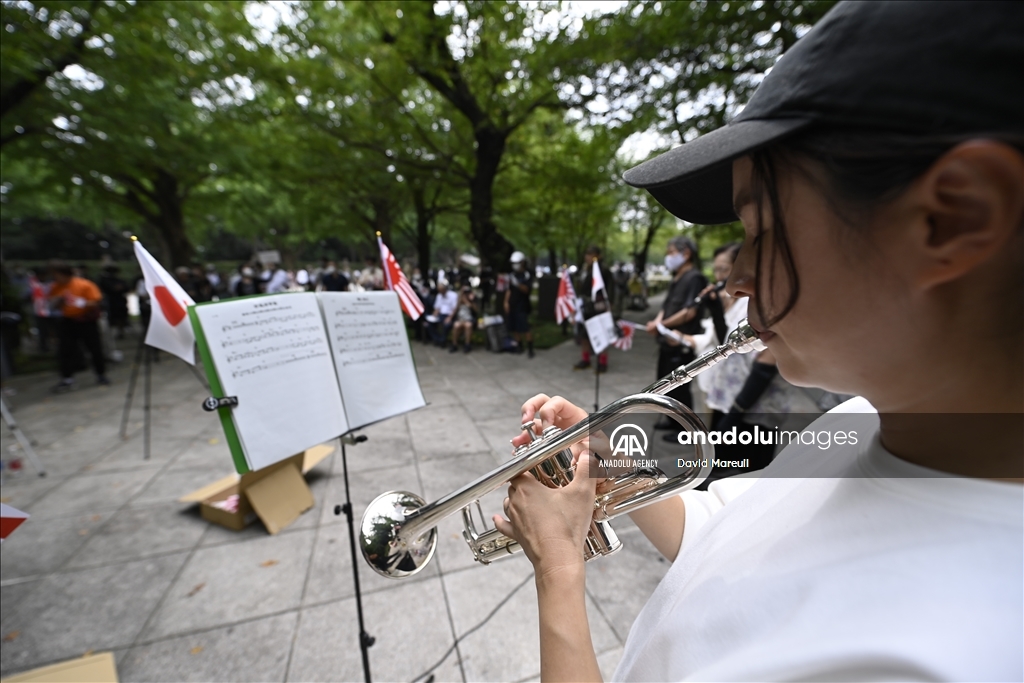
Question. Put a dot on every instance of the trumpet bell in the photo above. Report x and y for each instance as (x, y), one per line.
(383, 548)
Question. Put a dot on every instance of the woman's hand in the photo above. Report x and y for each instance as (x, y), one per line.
(551, 523)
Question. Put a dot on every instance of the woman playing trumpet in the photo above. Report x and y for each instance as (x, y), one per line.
(878, 172)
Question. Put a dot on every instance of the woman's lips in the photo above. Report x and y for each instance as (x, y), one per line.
(762, 334)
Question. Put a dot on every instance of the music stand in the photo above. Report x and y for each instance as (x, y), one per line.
(365, 639)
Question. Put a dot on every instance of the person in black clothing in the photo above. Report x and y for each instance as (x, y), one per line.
(115, 297)
(517, 302)
(593, 305)
(246, 285)
(679, 312)
(333, 280)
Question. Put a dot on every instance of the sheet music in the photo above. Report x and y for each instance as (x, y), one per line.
(272, 352)
(374, 364)
(602, 331)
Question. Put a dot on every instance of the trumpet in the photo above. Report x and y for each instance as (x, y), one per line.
(398, 532)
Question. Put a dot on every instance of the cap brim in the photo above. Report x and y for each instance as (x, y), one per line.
(694, 181)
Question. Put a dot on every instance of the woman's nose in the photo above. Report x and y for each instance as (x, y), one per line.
(742, 280)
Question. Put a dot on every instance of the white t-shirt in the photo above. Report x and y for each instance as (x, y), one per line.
(445, 304)
(846, 564)
(278, 281)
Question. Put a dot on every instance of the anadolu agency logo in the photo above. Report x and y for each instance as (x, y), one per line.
(629, 444)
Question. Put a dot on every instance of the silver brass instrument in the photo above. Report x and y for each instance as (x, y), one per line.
(398, 533)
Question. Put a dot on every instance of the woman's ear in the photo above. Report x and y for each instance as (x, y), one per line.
(969, 206)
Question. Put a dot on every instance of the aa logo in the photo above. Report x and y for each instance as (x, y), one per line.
(629, 441)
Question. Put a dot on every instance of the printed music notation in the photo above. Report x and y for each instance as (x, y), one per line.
(364, 332)
(269, 320)
(269, 334)
(262, 367)
(244, 355)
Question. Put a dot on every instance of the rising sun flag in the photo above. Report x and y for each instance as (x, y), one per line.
(395, 281)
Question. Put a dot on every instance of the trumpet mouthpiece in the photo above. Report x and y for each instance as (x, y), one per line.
(744, 339)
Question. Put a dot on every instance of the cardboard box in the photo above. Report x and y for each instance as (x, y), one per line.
(98, 668)
(277, 494)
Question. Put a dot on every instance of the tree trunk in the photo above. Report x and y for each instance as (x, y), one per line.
(640, 257)
(494, 248)
(170, 219)
(424, 238)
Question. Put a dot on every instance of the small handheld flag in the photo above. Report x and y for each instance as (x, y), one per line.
(10, 519)
(169, 327)
(597, 281)
(626, 331)
(395, 281)
(565, 303)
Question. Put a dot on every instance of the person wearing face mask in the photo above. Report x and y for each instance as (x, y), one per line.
(679, 313)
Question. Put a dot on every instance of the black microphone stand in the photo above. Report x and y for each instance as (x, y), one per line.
(365, 639)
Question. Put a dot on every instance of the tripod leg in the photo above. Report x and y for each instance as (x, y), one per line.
(199, 376)
(23, 441)
(131, 387)
(148, 418)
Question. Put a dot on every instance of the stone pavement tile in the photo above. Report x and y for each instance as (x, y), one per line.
(498, 432)
(217, 535)
(207, 449)
(493, 405)
(444, 432)
(409, 621)
(441, 397)
(225, 584)
(23, 490)
(622, 583)
(441, 477)
(11, 596)
(139, 531)
(128, 455)
(91, 493)
(94, 609)
(365, 486)
(42, 546)
(379, 450)
(474, 593)
(171, 484)
(65, 461)
(330, 577)
(250, 651)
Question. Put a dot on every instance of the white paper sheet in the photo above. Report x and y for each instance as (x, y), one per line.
(272, 352)
(374, 364)
(674, 334)
(602, 331)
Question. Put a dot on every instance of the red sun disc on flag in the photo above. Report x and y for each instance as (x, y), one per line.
(172, 310)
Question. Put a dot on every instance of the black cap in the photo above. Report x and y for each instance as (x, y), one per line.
(920, 67)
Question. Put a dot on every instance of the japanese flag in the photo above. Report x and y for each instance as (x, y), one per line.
(10, 519)
(597, 281)
(169, 328)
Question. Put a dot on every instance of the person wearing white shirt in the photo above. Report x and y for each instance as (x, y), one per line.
(878, 172)
(278, 280)
(445, 304)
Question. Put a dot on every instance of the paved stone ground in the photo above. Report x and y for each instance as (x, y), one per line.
(110, 561)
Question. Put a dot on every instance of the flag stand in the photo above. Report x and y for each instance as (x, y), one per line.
(365, 639)
(23, 441)
(597, 386)
(146, 353)
(144, 358)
